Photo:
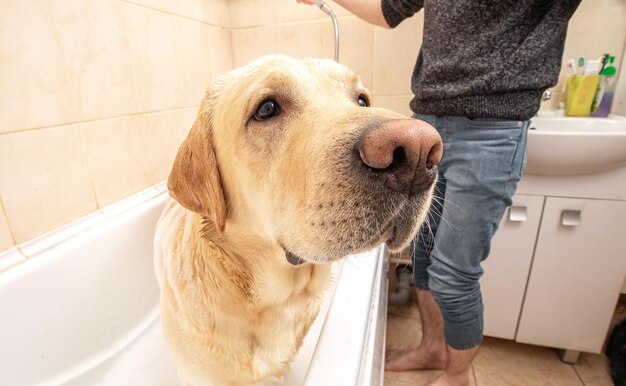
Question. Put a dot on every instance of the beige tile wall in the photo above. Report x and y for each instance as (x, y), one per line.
(95, 98)
(384, 59)
(45, 179)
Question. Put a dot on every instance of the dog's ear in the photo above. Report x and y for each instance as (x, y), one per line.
(195, 180)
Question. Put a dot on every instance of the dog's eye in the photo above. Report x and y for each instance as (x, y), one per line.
(363, 102)
(267, 109)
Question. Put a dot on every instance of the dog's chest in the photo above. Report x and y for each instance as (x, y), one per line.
(281, 335)
(282, 326)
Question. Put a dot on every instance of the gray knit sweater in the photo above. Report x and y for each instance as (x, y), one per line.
(485, 58)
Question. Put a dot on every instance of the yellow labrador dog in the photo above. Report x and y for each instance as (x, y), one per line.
(286, 168)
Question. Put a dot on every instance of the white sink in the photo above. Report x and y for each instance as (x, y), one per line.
(565, 146)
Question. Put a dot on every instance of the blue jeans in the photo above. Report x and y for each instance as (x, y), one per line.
(478, 174)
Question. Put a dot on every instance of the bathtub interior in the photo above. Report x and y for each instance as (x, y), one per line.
(85, 312)
(75, 305)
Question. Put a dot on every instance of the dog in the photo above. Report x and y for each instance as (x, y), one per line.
(286, 169)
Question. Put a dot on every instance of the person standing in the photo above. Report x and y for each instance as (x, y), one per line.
(478, 79)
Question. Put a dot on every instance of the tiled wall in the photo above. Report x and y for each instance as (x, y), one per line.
(95, 97)
(383, 58)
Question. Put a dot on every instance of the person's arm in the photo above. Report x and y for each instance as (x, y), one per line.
(368, 10)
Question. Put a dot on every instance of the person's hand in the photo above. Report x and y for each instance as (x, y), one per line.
(310, 2)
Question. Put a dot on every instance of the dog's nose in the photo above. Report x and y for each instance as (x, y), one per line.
(405, 151)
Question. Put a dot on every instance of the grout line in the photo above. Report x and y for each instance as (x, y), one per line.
(6, 219)
(81, 132)
(96, 119)
(143, 161)
(125, 25)
(127, 2)
(232, 49)
(578, 375)
(230, 18)
(474, 375)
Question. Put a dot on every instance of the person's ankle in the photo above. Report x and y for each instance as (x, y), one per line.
(437, 349)
(436, 353)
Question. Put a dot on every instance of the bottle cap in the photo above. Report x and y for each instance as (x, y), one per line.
(610, 69)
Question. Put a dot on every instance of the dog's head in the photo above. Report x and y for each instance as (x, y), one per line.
(291, 150)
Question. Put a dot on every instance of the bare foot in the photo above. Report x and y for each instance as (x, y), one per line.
(421, 358)
(445, 379)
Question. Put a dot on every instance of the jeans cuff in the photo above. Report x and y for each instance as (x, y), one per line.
(463, 336)
(420, 275)
(420, 281)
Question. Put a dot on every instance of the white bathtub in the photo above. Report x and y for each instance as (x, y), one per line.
(83, 310)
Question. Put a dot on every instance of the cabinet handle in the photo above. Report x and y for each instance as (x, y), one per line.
(518, 214)
(570, 218)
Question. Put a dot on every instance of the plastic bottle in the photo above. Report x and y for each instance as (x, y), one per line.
(604, 97)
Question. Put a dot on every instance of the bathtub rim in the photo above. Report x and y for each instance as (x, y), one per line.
(24, 252)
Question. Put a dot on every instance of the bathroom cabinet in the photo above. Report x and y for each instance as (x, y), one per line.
(555, 271)
(507, 267)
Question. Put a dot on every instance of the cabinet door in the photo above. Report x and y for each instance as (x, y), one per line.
(576, 275)
(508, 264)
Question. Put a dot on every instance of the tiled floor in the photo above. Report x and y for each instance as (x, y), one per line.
(499, 362)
